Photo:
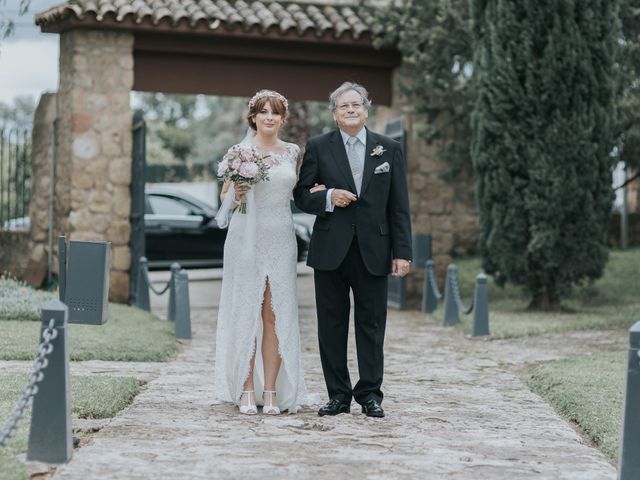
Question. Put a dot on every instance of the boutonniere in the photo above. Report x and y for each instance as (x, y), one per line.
(379, 150)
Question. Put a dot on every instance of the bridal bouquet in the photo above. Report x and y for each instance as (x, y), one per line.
(243, 165)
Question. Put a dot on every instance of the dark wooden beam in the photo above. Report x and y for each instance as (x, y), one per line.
(268, 48)
(217, 75)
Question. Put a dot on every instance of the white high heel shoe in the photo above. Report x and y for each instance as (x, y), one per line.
(249, 408)
(270, 408)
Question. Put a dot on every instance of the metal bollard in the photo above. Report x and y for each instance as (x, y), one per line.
(629, 468)
(84, 279)
(50, 439)
(175, 269)
(481, 306)
(421, 249)
(182, 307)
(451, 313)
(142, 295)
(62, 267)
(429, 300)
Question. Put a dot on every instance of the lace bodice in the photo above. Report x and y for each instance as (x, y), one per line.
(273, 196)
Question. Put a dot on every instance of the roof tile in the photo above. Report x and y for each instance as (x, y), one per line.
(284, 16)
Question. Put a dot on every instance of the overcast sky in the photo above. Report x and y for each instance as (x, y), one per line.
(28, 59)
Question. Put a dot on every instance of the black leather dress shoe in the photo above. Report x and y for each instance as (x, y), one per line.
(372, 409)
(334, 407)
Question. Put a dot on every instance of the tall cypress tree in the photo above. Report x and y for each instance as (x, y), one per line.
(542, 137)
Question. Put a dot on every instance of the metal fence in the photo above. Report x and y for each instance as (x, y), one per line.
(15, 179)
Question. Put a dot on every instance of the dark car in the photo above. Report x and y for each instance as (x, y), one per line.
(181, 228)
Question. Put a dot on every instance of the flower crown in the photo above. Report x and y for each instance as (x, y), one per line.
(268, 94)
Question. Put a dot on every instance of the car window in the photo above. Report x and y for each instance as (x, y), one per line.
(168, 206)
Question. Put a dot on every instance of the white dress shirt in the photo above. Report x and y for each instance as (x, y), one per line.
(360, 147)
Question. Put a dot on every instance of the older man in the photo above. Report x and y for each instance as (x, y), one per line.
(361, 234)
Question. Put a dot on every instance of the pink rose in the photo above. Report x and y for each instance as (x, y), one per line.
(248, 170)
(246, 155)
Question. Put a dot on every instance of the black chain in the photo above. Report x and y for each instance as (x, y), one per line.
(44, 349)
(433, 283)
(456, 294)
(145, 272)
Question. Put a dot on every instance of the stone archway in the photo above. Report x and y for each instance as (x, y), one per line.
(215, 47)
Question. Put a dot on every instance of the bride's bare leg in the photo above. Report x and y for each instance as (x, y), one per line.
(248, 397)
(270, 355)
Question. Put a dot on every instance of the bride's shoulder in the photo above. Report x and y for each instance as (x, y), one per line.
(293, 147)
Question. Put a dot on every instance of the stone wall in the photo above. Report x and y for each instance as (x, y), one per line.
(445, 210)
(94, 144)
(14, 253)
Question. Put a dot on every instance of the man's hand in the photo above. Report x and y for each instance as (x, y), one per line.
(342, 198)
(399, 267)
(317, 188)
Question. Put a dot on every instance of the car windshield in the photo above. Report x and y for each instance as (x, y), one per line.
(161, 205)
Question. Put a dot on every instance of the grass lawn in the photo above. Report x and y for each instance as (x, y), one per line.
(611, 302)
(130, 334)
(91, 397)
(588, 391)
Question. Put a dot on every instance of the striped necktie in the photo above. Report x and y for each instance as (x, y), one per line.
(355, 162)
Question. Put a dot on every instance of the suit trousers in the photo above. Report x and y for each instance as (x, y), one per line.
(370, 307)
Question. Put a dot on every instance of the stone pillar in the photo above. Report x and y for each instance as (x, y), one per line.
(94, 144)
(41, 148)
(445, 210)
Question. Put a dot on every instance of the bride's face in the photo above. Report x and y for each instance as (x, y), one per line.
(268, 122)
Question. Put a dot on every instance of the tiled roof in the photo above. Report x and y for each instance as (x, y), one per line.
(285, 17)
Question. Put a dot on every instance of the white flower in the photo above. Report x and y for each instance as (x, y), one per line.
(248, 170)
(379, 150)
(223, 166)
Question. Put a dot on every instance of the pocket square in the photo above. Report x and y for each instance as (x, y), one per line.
(382, 168)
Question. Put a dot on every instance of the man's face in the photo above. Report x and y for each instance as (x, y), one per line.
(350, 113)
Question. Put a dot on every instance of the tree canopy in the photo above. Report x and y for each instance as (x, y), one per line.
(542, 139)
(435, 40)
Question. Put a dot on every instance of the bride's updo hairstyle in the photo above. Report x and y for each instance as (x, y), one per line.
(278, 103)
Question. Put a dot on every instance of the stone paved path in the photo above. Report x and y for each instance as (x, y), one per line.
(455, 410)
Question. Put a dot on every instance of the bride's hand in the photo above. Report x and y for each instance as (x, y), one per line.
(317, 188)
(240, 191)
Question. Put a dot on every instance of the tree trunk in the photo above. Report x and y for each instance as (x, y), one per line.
(545, 301)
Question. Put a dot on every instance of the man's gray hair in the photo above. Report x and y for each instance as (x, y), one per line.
(344, 88)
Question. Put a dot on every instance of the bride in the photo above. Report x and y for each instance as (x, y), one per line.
(258, 339)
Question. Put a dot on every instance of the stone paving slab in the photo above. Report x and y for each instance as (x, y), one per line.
(455, 410)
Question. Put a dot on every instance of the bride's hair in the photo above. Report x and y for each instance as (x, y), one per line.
(278, 104)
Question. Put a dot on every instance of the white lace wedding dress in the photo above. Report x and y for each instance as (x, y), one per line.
(244, 278)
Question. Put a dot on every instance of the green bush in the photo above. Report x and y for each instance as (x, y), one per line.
(18, 301)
